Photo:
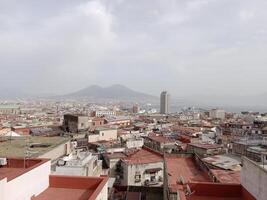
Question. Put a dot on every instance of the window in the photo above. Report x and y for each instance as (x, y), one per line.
(94, 164)
(152, 176)
(137, 177)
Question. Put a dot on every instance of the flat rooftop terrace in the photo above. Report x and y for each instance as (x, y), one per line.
(17, 147)
(72, 188)
(183, 167)
(65, 194)
(17, 167)
(215, 191)
(200, 184)
(225, 176)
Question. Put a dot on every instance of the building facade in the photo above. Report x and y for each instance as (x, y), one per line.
(75, 123)
(103, 134)
(31, 180)
(164, 102)
(217, 114)
(142, 168)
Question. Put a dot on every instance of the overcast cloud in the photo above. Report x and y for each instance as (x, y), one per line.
(185, 46)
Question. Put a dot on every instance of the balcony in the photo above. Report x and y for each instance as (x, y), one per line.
(153, 183)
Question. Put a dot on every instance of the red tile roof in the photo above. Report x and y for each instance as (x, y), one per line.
(143, 156)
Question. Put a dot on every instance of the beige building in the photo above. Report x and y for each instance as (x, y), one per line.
(205, 150)
(143, 167)
(102, 133)
(217, 114)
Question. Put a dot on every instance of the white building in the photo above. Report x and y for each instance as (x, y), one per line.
(134, 143)
(102, 133)
(217, 114)
(30, 179)
(142, 168)
(100, 113)
(79, 164)
(9, 109)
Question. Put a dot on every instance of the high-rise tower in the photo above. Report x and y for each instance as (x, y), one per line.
(164, 102)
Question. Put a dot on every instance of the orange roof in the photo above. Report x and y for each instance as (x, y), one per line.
(64, 194)
(200, 184)
(183, 167)
(73, 187)
(218, 191)
(143, 156)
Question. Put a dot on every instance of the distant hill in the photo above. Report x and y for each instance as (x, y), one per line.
(114, 92)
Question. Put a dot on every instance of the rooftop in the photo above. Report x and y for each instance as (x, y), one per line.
(104, 128)
(71, 188)
(64, 194)
(185, 167)
(17, 147)
(143, 156)
(116, 155)
(258, 149)
(17, 167)
(225, 176)
(206, 146)
(9, 106)
(224, 162)
(162, 139)
(217, 191)
(184, 173)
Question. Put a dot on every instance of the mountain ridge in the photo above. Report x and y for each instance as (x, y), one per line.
(115, 91)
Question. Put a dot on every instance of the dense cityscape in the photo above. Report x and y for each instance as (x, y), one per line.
(116, 151)
(133, 100)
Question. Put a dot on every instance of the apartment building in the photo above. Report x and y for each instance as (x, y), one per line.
(143, 167)
(30, 179)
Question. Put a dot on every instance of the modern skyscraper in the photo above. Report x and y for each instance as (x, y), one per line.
(164, 102)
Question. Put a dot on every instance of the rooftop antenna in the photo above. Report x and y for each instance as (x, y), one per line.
(27, 152)
(182, 181)
(188, 191)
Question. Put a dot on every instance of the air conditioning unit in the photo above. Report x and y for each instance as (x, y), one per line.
(3, 161)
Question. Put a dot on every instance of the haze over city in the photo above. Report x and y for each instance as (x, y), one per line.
(133, 100)
(187, 47)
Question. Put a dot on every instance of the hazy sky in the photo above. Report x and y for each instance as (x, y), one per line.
(184, 46)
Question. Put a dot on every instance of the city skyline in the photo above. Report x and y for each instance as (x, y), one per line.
(123, 99)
